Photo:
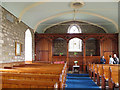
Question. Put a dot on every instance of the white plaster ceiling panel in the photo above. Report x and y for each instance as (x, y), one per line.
(106, 9)
(15, 7)
(42, 11)
(80, 17)
(34, 14)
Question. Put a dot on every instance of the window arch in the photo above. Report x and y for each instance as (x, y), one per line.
(75, 44)
(28, 45)
(74, 29)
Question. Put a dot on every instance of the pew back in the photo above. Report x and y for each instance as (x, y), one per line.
(115, 74)
(14, 83)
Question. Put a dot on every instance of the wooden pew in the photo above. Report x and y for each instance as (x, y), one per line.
(40, 77)
(99, 73)
(15, 83)
(22, 73)
(105, 76)
(91, 69)
(114, 79)
(50, 69)
(104, 73)
(49, 77)
(21, 65)
(95, 71)
(63, 76)
(108, 73)
(34, 71)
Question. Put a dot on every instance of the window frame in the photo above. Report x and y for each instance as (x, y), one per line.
(80, 41)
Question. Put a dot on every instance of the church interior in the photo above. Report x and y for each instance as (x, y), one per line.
(53, 44)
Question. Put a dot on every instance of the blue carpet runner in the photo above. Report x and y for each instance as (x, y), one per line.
(80, 82)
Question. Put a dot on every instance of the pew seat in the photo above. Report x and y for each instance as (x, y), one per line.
(106, 74)
(48, 76)
(23, 76)
(114, 80)
(15, 83)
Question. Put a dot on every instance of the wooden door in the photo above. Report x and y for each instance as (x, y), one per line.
(44, 54)
(42, 50)
(106, 55)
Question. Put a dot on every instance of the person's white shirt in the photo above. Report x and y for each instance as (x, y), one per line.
(111, 60)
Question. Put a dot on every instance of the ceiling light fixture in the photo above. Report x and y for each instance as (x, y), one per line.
(77, 4)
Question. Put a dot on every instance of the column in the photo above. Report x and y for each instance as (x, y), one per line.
(68, 53)
(101, 48)
(84, 56)
(119, 35)
(51, 51)
(119, 44)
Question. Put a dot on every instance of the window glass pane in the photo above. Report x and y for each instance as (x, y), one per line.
(74, 29)
(75, 44)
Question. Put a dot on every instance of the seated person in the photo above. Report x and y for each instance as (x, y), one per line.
(116, 60)
(111, 60)
(102, 60)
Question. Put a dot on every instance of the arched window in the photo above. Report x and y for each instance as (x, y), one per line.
(74, 29)
(28, 46)
(75, 44)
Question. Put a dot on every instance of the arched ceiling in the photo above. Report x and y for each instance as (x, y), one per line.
(40, 15)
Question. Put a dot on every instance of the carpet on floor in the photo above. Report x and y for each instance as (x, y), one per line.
(80, 81)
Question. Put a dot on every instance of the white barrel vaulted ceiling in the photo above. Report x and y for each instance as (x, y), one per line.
(45, 13)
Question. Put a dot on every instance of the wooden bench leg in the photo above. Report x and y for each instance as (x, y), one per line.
(103, 83)
(111, 85)
(94, 77)
(91, 74)
(98, 80)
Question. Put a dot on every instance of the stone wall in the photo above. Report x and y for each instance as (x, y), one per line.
(119, 44)
(91, 47)
(59, 46)
(119, 26)
(12, 31)
(85, 28)
(1, 41)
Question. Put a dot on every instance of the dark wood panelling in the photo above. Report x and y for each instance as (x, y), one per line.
(109, 46)
(43, 50)
(106, 55)
(71, 62)
(106, 44)
(92, 47)
(93, 59)
(59, 58)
